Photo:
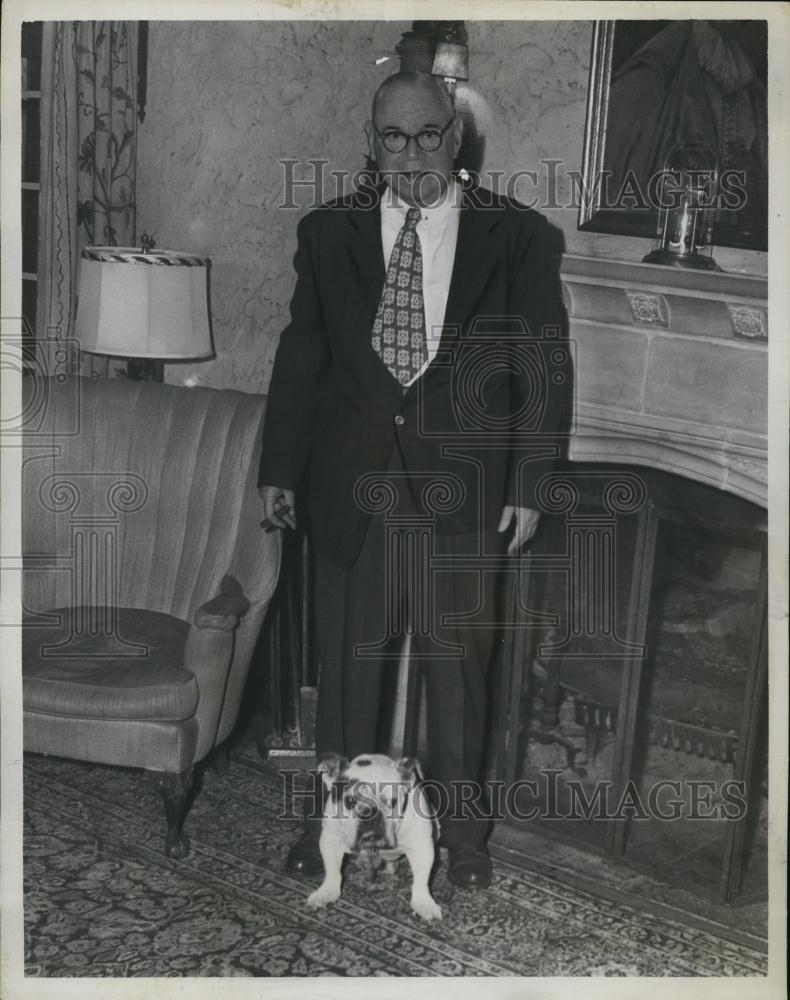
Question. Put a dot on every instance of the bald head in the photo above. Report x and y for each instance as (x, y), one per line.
(423, 84)
(417, 111)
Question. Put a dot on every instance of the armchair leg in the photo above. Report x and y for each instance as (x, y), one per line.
(175, 789)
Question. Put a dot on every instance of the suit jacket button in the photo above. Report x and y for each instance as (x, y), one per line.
(400, 420)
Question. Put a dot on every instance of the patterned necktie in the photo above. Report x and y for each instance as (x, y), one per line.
(399, 328)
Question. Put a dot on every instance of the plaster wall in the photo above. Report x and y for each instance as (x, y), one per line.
(228, 100)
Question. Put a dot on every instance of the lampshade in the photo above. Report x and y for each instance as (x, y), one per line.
(143, 305)
(451, 61)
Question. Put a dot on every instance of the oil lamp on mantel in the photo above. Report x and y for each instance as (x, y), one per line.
(687, 191)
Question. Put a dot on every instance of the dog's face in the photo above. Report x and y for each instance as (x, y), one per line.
(372, 792)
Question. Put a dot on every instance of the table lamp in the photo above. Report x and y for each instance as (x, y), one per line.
(148, 306)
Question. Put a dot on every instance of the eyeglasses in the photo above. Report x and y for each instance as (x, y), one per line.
(428, 139)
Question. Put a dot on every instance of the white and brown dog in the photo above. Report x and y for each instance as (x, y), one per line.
(375, 805)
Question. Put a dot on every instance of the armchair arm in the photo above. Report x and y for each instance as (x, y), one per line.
(208, 655)
(222, 612)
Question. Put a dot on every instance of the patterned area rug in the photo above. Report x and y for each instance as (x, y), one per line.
(101, 899)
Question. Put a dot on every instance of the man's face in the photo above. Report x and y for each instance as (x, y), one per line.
(418, 177)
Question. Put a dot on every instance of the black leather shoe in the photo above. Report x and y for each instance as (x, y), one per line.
(469, 866)
(304, 857)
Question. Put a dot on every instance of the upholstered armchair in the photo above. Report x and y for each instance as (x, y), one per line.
(146, 574)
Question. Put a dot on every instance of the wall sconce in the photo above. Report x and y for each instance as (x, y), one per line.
(144, 305)
(436, 47)
(687, 193)
(451, 62)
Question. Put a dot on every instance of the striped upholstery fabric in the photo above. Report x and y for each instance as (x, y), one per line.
(190, 456)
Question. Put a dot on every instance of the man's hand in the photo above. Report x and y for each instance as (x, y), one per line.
(525, 526)
(278, 506)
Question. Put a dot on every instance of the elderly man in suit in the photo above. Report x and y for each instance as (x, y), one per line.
(411, 388)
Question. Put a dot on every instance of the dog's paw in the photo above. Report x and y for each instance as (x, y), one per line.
(428, 909)
(323, 896)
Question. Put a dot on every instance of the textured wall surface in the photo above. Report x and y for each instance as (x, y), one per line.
(228, 100)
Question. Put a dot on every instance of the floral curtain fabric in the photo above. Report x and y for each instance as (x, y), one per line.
(88, 163)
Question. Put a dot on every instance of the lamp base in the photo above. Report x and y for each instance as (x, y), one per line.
(145, 370)
(671, 259)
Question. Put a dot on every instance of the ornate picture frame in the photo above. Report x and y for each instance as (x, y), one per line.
(651, 81)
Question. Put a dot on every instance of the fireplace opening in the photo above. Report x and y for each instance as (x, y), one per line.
(690, 801)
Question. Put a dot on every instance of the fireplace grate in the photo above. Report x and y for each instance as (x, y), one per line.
(684, 737)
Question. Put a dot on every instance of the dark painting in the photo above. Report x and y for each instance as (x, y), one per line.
(657, 84)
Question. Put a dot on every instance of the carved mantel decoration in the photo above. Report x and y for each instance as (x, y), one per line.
(748, 323)
(647, 308)
(671, 371)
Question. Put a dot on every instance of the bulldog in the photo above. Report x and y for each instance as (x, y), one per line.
(376, 809)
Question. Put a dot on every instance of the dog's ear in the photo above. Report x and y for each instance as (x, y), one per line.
(410, 770)
(330, 766)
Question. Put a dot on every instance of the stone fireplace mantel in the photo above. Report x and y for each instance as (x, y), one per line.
(671, 371)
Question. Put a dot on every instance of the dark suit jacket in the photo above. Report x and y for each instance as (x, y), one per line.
(482, 420)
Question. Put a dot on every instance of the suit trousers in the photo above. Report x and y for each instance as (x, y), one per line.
(411, 577)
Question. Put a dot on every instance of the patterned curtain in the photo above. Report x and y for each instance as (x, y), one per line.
(88, 165)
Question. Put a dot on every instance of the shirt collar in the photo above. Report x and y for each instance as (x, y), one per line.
(437, 213)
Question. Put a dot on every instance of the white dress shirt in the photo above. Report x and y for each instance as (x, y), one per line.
(438, 233)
